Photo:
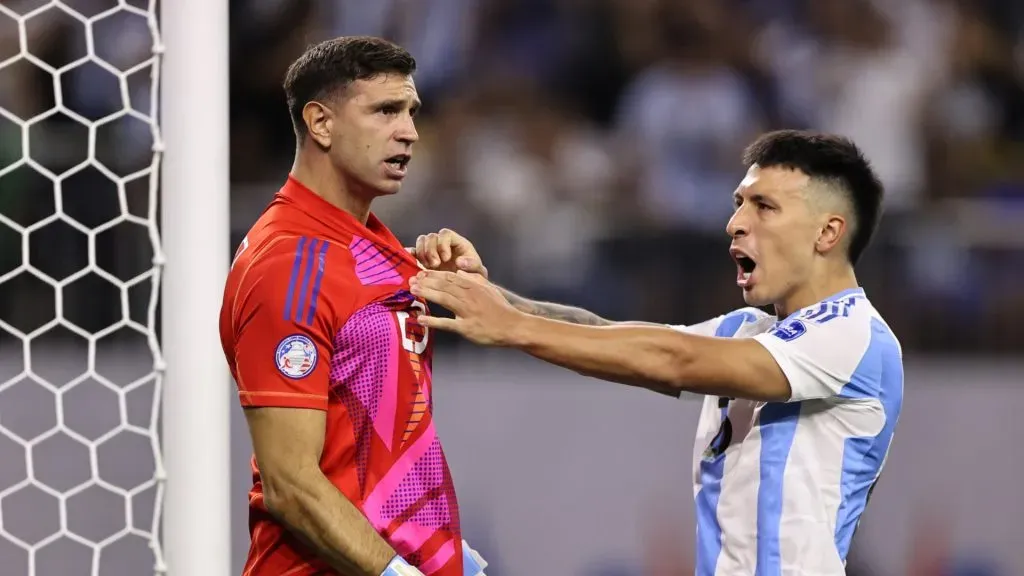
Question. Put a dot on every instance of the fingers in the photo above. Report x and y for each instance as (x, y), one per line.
(420, 252)
(444, 244)
(449, 289)
(471, 265)
(438, 291)
(430, 250)
(444, 281)
(438, 249)
(448, 324)
(435, 248)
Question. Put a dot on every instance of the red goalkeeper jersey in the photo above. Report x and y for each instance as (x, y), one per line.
(317, 314)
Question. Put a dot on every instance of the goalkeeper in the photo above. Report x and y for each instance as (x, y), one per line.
(320, 332)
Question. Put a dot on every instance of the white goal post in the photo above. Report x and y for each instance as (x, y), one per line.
(196, 238)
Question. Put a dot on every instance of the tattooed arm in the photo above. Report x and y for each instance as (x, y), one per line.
(554, 311)
(562, 312)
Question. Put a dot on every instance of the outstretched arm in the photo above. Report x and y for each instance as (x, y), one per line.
(653, 357)
(657, 358)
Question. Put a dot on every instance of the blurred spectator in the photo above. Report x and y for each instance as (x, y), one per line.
(590, 146)
(687, 117)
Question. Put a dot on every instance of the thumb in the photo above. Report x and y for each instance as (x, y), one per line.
(471, 265)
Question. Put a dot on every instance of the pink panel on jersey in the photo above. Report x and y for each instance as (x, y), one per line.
(366, 364)
(373, 507)
(426, 475)
(374, 265)
(418, 529)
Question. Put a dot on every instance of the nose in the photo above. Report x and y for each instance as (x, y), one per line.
(407, 133)
(737, 226)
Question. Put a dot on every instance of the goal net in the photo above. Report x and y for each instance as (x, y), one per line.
(81, 477)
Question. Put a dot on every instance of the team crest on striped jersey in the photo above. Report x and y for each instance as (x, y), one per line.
(296, 356)
(789, 330)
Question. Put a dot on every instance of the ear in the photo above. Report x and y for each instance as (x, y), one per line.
(831, 233)
(319, 121)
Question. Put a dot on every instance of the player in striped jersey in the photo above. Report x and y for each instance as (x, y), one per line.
(800, 405)
(320, 332)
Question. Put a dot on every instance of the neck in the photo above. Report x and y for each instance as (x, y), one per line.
(316, 172)
(832, 282)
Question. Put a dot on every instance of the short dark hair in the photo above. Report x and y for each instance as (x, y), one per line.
(332, 65)
(833, 159)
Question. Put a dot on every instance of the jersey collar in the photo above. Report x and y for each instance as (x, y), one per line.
(339, 220)
(833, 298)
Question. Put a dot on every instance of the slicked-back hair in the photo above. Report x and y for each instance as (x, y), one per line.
(834, 160)
(330, 66)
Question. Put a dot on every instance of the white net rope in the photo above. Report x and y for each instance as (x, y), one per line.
(81, 477)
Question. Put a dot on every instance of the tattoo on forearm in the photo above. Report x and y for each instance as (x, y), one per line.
(555, 311)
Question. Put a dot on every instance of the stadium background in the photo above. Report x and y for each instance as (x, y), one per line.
(589, 147)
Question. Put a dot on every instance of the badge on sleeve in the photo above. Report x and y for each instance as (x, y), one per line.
(789, 330)
(296, 356)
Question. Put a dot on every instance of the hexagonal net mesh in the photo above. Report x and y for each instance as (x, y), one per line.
(80, 365)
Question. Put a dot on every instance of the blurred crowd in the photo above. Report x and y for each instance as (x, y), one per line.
(590, 147)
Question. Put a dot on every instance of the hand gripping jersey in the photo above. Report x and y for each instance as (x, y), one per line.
(780, 487)
(317, 314)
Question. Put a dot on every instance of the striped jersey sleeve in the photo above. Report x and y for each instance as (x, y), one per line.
(726, 325)
(825, 350)
(282, 323)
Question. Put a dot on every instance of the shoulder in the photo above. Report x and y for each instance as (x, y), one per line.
(288, 257)
(282, 251)
(850, 322)
(835, 348)
(845, 340)
(291, 272)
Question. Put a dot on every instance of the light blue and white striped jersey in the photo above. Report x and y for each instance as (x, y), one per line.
(780, 487)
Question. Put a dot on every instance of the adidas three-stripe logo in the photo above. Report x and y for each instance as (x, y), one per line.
(304, 283)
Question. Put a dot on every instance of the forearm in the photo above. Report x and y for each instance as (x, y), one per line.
(320, 515)
(657, 358)
(554, 311)
(649, 357)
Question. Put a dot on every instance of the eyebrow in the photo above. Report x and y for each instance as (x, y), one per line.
(757, 198)
(398, 103)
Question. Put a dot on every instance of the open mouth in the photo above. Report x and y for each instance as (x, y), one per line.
(398, 161)
(745, 267)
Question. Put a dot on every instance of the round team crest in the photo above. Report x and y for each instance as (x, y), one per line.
(296, 356)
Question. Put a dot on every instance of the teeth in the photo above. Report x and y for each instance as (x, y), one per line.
(746, 276)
